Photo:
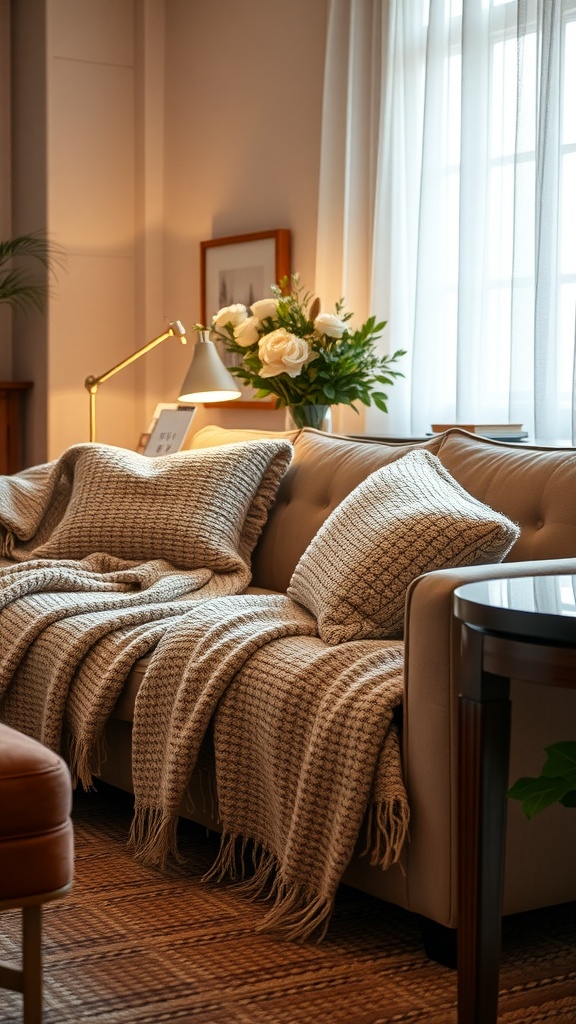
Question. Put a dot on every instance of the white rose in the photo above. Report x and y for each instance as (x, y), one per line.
(230, 315)
(332, 326)
(264, 308)
(281, 352)
(246, 333)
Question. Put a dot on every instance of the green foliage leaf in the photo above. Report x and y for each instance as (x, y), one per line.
(555, 784)
(380, 399)
(536, 794)
(342, 370)
(561, 761)
(23, 285)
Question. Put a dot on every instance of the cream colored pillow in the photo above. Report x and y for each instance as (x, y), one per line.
(200, 509)
(211, 435)
(407, 518)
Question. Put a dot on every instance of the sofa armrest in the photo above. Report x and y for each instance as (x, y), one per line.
(430, 733)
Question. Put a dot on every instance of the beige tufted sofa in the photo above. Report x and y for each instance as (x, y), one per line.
(535, 487)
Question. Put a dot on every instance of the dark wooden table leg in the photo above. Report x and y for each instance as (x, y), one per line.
(484, 737)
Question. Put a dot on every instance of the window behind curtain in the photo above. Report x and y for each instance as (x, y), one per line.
(487, 277)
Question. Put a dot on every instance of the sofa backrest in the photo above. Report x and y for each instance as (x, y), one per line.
(325, 468)
(535, 487)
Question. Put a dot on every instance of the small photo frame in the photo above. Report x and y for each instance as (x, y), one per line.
(170, 430)
(242, 268)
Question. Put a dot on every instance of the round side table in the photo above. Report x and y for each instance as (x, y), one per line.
(518, 628)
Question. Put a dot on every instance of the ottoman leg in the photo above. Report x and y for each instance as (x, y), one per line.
(32, 963)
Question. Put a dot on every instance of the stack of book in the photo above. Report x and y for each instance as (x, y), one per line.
(495, 431)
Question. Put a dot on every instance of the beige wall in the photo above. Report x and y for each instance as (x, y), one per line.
(74, 120)
(155, 124)
(91, 206)
(243, 113)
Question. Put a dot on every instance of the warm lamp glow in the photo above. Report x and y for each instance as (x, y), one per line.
(207, 380)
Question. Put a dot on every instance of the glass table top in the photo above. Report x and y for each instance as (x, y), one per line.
(543, 607)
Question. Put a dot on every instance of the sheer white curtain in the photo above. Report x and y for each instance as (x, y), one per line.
(349, 164)
(466, 183)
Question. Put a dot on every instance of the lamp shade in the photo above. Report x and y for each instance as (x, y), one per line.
(207, 379)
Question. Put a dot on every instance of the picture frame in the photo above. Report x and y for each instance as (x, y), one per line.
(242, 268)
(169, 431)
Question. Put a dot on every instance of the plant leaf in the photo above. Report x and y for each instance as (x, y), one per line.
(379, 399)
(561, 761)
(20, 286)
(344, 370)
(536, 794)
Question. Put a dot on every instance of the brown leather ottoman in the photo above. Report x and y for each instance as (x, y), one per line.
(36, 850)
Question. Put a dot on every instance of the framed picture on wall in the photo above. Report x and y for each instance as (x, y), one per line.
(242, 268)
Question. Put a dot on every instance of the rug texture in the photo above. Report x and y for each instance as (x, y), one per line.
(131, 946)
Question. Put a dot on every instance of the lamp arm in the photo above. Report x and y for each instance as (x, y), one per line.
(92, 384)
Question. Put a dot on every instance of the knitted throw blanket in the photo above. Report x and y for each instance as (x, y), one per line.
(116, 555)
(109, 547)
(304, 745)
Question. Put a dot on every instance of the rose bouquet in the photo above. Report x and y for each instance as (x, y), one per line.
(304, 357)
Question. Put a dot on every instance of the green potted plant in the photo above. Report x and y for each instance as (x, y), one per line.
(26, 263)
(20, 285)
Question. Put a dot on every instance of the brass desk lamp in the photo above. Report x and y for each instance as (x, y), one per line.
(207, 379)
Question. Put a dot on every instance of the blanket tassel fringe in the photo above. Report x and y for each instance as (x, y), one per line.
(153, 837)
(296, 913)
(85, 760)
(386, 830)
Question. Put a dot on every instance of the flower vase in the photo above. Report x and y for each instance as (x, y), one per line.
(318, 416)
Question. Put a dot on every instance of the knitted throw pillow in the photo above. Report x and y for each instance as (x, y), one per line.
(201, 509)
(405, 519)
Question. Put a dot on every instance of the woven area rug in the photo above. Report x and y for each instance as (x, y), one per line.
(131, 946)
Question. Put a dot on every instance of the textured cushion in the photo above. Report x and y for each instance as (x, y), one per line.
(212, 435)
(405, 519)
(203, 508)
(325, 468)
